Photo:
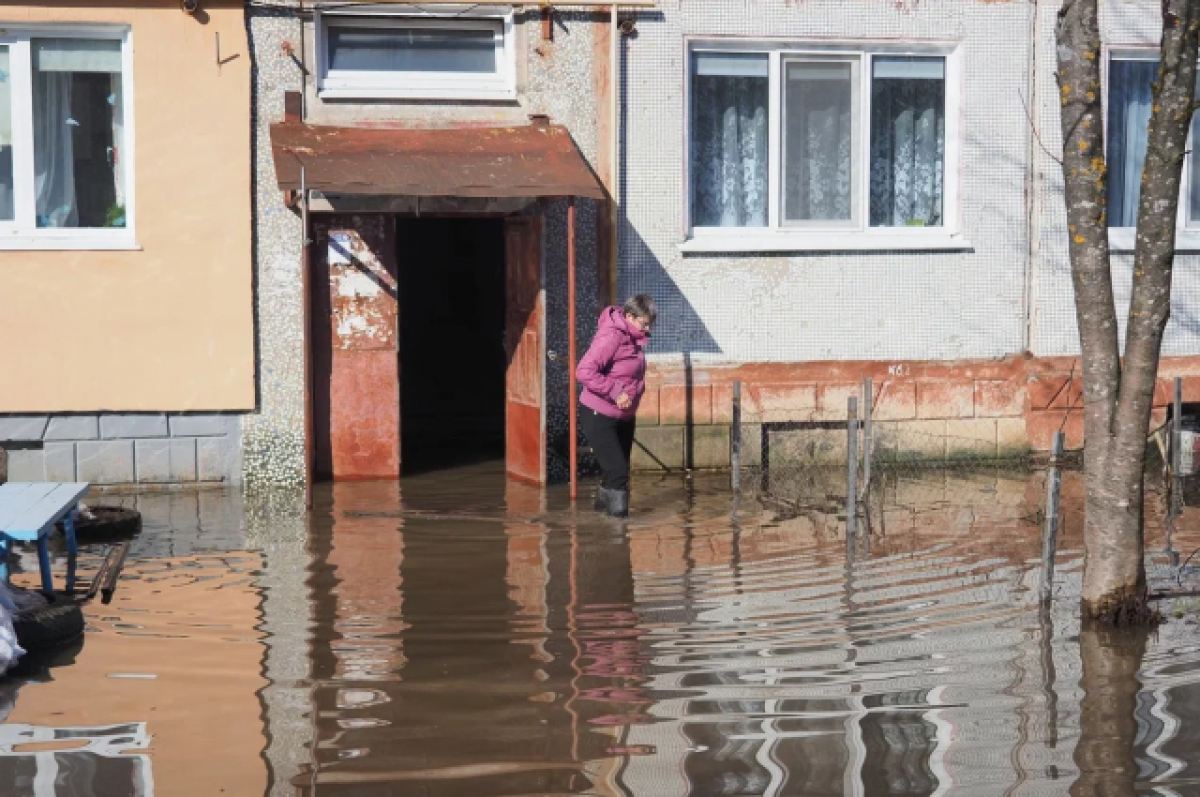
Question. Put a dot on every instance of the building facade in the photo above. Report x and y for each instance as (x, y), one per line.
(814, 193)
(846, 190)
(126, 339)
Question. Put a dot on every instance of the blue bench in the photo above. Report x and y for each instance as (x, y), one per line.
(28, 512)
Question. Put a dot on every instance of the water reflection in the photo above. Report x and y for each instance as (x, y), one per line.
(463, 635)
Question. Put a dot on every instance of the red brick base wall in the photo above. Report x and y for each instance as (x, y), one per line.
(1014, 404)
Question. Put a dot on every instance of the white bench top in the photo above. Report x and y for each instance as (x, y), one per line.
(29, 510)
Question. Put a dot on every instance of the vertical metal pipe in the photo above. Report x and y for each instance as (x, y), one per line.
(306, 336)
(851, 474)
(614, 57)
(735, 438)
(868, 406)
(572, 412)
(1050, 530)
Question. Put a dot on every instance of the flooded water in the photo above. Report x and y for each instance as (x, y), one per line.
(458, 635)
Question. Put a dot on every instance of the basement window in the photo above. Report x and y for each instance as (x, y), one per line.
(64, 143)
(413, 56)
(822, 148)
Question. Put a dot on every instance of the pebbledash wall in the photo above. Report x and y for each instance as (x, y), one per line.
(973, 347)
(557, 77)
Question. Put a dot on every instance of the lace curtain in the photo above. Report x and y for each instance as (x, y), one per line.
(818, 140)
(729, 140)
(908, 142)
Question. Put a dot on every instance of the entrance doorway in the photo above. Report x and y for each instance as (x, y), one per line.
(428, 345)
(452, 353)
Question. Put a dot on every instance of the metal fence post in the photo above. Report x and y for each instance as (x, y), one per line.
(851, 473)
(868, 406)
(1050, 532)
(735, 441)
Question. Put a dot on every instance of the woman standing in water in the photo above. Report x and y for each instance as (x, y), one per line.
(613, 375)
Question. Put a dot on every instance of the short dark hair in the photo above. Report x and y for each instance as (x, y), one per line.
(641, 306)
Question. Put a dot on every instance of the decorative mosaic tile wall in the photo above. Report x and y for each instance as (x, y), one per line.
(273, 436)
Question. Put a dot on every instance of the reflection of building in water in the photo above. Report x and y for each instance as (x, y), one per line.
(434, 665)
(915, 674)
(175, 658)
(39, 761)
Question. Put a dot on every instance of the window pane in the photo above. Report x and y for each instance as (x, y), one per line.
(367, 49)
(818, 141)
(6, 142)
(1194, 166)
(908, 141)
(1129, 87)
(78, 133)
(729, 140)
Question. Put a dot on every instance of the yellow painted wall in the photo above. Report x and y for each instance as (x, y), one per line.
(168, 327)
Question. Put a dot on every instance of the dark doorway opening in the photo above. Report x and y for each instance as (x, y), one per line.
(452, 346)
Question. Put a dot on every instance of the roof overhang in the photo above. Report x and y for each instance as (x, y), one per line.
(537, 160)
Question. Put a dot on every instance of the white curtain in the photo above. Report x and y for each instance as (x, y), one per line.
(908, 142)
(6, 151)
(1129, 89)
(54, 158)
(818, 142)
(729, 140)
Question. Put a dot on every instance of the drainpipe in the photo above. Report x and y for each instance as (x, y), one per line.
(1032, 184)
(306, 336)
(615, 153)
(572, 413)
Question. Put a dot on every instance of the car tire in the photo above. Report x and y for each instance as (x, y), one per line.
(57, 623)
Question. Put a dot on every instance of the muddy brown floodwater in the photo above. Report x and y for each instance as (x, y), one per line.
(459, 636)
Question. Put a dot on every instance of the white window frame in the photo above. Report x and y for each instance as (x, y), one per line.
(858, 235)
(419, 85)
(23, 233)
(1187, 234)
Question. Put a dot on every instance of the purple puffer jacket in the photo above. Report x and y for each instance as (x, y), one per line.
(615, 364)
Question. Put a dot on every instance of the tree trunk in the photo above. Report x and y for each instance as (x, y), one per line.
(1107, 726)
(1118, 395)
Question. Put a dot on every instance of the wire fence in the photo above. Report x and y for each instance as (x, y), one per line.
(882, 478)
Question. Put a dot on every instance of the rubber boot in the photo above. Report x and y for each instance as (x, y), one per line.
(601, 502)
(618, 503)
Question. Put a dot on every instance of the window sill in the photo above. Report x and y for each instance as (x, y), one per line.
(444, 94)
(857, 241)
(68, 243)
(1123, 240)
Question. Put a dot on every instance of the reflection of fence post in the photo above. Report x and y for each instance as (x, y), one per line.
(851, 472)
(735, 442)
(868, 406)
(1050, 533)
(1177, 431)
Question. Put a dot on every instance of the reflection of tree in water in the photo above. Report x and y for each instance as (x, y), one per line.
(1108, 715)
(899, 743)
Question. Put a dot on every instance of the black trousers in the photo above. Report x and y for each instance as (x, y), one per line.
(612, 441)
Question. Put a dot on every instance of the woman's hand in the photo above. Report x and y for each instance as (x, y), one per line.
(624, 402)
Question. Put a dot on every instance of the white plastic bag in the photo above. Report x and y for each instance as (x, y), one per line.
(10, 651)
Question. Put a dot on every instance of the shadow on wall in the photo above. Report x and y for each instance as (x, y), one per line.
(680, 329)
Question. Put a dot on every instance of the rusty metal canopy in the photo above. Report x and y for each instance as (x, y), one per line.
(529, 161)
